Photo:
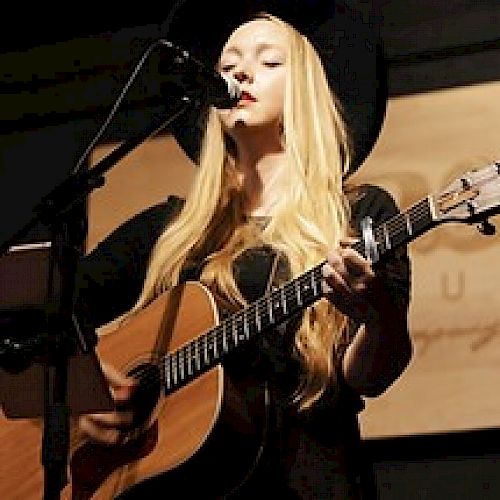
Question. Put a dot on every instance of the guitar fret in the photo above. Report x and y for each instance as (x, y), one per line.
(314, 284)
(181, 364)
(409, 228)
(303, 289)
(389, 234)
(246, 329)
(238, 321)
(258, 321)
(215, 349)
(205, 349)
(197, 355)
(225, 347)
(167, 372)
(420, 215)
(234, 334)
(306, 289)
(234, 326)
(379, 237)
(289, 296)
(283, 301)
(174, 368)
(297, 291)
(387, 238)
(189, 356)
(269, 303)
(277, 306)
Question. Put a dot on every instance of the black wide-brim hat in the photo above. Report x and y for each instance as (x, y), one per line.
(346, 40)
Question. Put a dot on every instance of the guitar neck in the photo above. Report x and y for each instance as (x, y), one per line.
(269, 311)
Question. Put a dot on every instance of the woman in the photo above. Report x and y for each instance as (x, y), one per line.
(269, 202)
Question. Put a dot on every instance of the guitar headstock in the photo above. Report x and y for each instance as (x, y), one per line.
(473, 197)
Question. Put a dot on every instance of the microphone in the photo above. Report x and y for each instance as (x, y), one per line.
(200, 81)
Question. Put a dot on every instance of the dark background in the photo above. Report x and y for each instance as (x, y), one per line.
(62, 69)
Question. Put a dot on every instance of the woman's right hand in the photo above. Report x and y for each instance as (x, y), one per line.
(114, 427)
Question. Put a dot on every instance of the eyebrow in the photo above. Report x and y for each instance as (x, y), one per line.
(260, 48)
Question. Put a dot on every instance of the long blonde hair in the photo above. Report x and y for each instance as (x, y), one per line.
(313, 214)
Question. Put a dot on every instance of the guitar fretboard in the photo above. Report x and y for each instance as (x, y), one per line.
(269, 311)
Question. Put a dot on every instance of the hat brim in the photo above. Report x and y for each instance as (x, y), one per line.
(347, 43)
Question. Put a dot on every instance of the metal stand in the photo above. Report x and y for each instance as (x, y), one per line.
(64, 334)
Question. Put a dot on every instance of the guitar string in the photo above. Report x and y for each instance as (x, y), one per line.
(218, 335)
(215, 337)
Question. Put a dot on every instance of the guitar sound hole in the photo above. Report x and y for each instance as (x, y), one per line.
(148, 390)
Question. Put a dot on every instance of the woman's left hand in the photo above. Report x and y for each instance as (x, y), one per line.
(349, 281)
(353, 287)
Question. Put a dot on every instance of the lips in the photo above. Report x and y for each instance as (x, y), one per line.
(246, 96)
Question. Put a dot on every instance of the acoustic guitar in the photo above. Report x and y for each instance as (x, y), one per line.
(200, 437)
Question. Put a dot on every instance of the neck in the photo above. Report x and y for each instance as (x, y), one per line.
(261, 161)
(262, 178)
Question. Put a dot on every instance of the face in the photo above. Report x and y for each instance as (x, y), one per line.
(255, 55)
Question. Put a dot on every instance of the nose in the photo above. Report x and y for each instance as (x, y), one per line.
(243, 75)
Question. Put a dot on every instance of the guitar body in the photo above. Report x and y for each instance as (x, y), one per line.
(201, 439)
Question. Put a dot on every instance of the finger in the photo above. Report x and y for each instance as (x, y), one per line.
(349, 266)
(121, 386)
(115, 419)
(341, 297)
(333, 279)
(115, 377)
(335, 261)
(355, 263)
(348, 241)
(108, 436)
(343, 288)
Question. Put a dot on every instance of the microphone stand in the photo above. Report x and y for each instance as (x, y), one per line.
(59, 345)
(64, 331)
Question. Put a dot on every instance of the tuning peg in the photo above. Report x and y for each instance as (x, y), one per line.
(486, 227)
